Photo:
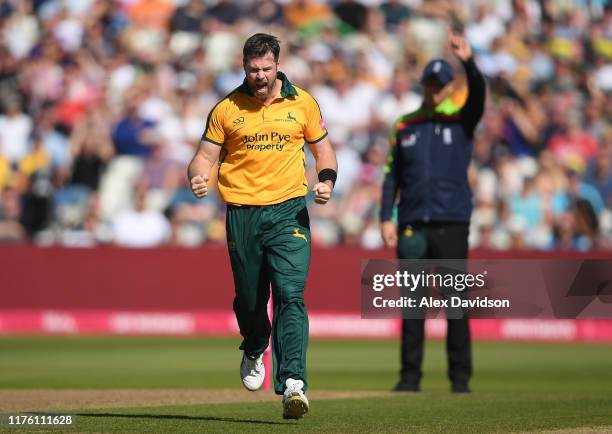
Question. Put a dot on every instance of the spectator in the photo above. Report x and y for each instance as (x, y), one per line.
(90, 154)
(151, 14)
(16, 128)
(396, 12)
(267, 12)
(579, 190)
(6, 173)
(133, 135)
(140, 227)
(21, 31)
(188, 18)
(301, 14)
(352, 13)
(11, 229)
(226, 12)
(399, 98)
(599, 175)
(35, 180)
(190, 217)
(572, 145)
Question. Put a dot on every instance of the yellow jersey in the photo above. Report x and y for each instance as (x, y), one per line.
(262, 160)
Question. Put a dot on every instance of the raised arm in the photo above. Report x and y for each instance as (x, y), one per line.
(474, 106)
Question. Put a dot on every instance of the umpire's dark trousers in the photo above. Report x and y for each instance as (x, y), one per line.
(435, 240)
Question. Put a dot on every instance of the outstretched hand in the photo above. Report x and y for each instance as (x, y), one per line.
(459, 45)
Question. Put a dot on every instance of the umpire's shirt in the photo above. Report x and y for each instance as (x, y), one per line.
(428, 160)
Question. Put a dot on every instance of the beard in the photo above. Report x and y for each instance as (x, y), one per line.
(262, 90)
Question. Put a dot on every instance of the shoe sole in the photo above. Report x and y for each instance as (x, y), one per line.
(294, 408)
(252, 389)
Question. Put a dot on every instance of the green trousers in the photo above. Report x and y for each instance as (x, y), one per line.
(270, 245)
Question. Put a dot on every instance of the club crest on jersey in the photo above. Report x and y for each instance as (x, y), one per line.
(289, 118)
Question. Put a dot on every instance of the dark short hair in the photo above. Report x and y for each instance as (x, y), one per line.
(259, 45)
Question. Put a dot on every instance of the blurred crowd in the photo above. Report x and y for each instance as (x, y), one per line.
(103, 103)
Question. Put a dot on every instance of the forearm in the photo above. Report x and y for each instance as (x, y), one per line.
(203, 160)
(390, 183)
(475, 79)
(199, 165)
(327, 161)
(325, 157)
(474, 106)
(389, 192)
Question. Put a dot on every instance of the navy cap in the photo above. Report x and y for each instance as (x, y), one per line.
(439, 69)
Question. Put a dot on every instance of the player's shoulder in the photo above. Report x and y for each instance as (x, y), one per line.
(232, 98)
(228, 103)
(448, 110)
(408, 118)
(303, 94)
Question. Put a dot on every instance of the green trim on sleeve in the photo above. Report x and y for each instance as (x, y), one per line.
(211, 141)
(318, 140)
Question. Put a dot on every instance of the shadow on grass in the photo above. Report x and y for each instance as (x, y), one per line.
(178, 417)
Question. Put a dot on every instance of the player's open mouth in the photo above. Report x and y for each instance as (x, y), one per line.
(261, 87)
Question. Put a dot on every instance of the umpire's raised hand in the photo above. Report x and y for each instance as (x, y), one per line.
(459, 46)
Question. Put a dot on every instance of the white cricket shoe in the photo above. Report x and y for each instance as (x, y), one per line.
(252, 372)
(295, 403)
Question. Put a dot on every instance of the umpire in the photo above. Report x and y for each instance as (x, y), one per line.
(427, 168)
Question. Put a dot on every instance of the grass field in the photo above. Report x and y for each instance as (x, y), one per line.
(181, 385)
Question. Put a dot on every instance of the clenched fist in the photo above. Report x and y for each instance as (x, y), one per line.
(322, 192)
(199, 186)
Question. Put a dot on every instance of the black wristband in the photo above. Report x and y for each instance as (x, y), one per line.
(328, 175)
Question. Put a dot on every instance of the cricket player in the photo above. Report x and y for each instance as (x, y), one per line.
(257, 134)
